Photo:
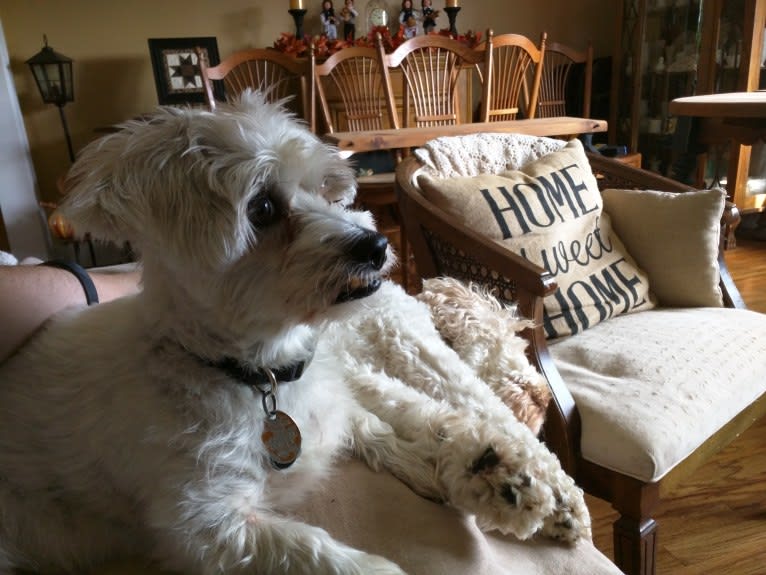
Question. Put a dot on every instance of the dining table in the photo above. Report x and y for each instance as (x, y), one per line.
(718, 121)
(413, 137)
(735, 116)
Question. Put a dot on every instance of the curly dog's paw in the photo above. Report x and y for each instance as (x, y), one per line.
(570, 520)
(513, 485)
(512, 491)
(501, 493)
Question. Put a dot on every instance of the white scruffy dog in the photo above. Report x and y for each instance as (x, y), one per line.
(187, 421)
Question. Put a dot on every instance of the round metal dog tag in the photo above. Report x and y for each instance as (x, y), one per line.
(282, 439)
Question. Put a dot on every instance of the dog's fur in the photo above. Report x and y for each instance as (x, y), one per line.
(482, 332)
(119, 435)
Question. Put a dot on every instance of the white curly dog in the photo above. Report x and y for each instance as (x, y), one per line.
(188, 420)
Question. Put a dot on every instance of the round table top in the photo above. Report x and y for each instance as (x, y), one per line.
(726, 105)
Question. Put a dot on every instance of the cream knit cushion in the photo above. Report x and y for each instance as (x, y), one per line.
(674, 238)
(550, 212)
(484, 153)
(378, 513)
(651, 387)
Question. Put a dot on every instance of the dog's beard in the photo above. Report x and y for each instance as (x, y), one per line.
(357, 289)
(371, 250)
(334, 256)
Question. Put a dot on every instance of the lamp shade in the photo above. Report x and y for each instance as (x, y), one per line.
(53, 74)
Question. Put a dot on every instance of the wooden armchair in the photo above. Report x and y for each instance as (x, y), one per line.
(709, 367)
(279, 75)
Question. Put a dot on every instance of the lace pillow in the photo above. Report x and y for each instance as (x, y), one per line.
(484, 153)
(550, 212)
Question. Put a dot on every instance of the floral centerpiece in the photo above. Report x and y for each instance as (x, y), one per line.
(324, 47)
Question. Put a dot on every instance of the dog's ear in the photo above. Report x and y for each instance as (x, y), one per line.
(103, 189)
(91, 205)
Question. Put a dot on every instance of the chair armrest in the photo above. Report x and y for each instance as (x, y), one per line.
(443, 246)
(613, 174)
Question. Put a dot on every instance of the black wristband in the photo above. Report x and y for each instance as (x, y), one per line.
(91, 295)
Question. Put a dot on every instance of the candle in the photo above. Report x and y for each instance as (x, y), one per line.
(296, 4)
(452, 3)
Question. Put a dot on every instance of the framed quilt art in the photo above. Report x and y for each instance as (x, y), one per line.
(176, 69)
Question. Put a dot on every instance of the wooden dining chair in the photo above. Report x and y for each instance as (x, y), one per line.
(430, 66)
(278, 75)
(355, 78)
(557, 82)
(350, 89)
(512, 57)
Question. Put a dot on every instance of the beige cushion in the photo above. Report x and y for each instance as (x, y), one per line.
(674, 238)
(550, 212)
(378, 513)
(652, 387)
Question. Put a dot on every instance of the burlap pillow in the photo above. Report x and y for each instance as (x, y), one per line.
(550, 212)
(674, 238)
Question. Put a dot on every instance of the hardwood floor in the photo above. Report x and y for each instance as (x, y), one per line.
(747, 265)
(715, 522)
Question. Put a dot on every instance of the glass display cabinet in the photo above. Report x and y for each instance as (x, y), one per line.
(655, 60)
(668, 49)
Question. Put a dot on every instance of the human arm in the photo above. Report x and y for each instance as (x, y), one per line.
(29, 295)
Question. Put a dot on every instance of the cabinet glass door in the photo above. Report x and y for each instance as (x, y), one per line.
(658, 54)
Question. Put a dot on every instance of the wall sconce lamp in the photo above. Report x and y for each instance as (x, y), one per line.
(53, 74)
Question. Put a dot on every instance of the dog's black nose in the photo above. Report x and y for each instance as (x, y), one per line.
(370, 248)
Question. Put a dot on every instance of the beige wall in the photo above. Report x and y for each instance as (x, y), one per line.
(113, 75)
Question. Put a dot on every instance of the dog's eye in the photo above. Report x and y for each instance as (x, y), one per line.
(261, 211)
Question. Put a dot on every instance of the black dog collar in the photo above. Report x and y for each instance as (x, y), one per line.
(260, 376)
(281, 436)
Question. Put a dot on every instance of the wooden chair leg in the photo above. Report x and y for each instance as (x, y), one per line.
(635, 545)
